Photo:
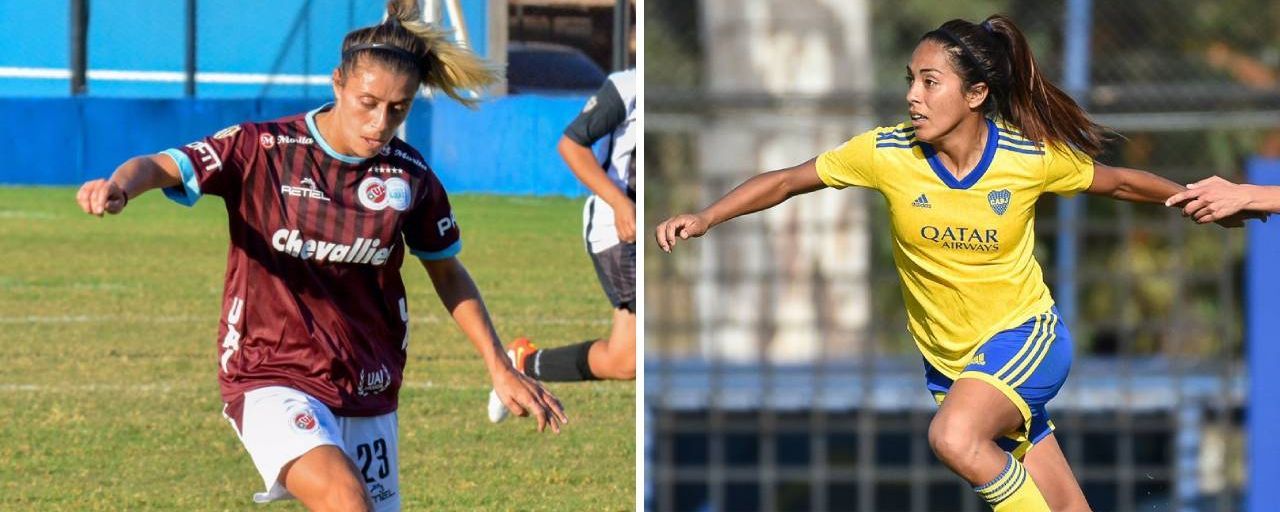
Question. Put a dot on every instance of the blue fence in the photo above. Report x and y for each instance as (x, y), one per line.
(505, 147)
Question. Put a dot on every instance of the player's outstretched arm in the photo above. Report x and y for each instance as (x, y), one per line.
(761, 192)
(521, 394)
(1214, 198)
(583, 163)
(131, 179)
(1131, 185)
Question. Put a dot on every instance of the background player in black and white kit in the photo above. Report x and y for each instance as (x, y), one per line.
(609, 229)
(321, 208)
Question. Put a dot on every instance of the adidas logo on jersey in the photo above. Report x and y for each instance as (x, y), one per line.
(979, 360)
(921, 202)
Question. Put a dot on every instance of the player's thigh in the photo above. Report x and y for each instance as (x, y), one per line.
(372, 444)
(325, 479)
(622, 335)
(974, 408)
(1052, 474)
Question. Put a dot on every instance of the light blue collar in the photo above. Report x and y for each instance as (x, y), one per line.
(315, 132)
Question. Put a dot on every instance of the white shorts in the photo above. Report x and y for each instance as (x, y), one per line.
(280, 424)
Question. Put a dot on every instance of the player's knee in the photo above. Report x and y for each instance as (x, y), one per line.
(952, 442)
(625, 370)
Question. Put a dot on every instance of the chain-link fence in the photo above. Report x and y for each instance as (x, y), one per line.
(779, 372)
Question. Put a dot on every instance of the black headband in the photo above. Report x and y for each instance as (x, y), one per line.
(380, 46)
(948, 35)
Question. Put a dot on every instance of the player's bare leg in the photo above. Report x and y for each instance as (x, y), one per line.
(615, 357)
(1048, 466)
(962, 435)
(324, 479)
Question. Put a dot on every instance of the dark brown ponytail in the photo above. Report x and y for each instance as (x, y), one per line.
(996, 53)
(405, 44)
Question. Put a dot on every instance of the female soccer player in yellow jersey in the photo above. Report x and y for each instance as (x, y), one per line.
(988, 135)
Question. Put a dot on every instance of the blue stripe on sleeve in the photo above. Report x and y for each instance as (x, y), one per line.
(895, 145)
(894, 136)
(447, 252)
(1021, 150)
(1020, 142)
(189, 192)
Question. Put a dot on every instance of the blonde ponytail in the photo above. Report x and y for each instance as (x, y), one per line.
(418, 47)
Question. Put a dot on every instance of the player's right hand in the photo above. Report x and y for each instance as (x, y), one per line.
(100, 196)
(524, 396)
(624, 219)
(680, 227)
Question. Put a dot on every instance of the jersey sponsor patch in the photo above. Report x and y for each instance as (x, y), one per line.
(363, 250)
(208, 157)
(374, 382)
(398, 196)
(306, 188)
(267, 141)
(227, 132)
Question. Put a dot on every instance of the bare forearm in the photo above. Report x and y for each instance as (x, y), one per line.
(1263, 198)
(761, 192)
(460, 296)
(142, 173)
(583, 163)
(1143, 187)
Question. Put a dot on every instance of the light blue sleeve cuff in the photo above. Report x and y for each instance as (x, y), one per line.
(188, 192)
(447, 252)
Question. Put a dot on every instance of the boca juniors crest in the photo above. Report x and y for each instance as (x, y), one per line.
(999, 200)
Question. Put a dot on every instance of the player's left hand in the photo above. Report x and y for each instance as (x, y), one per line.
(524, 396)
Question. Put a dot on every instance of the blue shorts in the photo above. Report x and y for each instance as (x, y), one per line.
(1028, 364)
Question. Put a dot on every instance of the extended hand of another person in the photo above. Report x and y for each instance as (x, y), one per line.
(1215, 199)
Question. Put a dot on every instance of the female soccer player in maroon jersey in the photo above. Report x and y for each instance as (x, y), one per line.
(321, 208)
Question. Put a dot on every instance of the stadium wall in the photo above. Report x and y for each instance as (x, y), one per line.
(505, 147)
(255, 61)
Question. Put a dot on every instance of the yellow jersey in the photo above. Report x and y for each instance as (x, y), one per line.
(963, 248)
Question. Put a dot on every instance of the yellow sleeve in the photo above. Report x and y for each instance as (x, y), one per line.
(1067, 171)
(851, 164)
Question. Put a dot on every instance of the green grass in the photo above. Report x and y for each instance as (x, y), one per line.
(108, 376)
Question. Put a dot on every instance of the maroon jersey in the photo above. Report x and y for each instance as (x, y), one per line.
(313, 296)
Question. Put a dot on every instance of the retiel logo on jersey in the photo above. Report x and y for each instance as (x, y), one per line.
(227, 132)
(306, 188)
(267, 141)
(304, 421)
(999, 200)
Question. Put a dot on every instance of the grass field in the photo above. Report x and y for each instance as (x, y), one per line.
(109, 388)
